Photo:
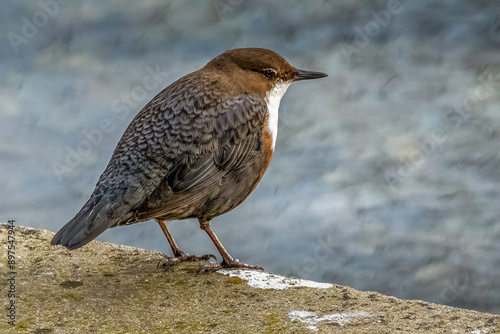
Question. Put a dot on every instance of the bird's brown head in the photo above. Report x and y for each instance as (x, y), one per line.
(257, 70)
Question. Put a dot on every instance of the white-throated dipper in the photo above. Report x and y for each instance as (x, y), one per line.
(197, 150)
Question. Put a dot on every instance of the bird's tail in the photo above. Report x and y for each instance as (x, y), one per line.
(93, 219)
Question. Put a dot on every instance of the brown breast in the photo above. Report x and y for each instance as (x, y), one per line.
(267, 143)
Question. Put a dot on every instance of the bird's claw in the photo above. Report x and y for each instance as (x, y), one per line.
(234, 264)
(170, 261)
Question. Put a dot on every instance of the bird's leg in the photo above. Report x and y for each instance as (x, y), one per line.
(175, 249)
(227, 260)
(179, 255)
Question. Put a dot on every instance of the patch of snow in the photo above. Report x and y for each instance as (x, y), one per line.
(263, 280)
(311, 318)
(478, 331)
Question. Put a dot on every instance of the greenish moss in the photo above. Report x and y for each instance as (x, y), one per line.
(190, 270)
(180, 283)
(181, 325)
(118, 259)
(70, 284)
(235, 280)
(274, 324)
(107, 273)
(69, 295)
(227, 311)
(24, 324)
(31, 232)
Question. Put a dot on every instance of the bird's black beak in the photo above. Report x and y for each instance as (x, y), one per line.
(307, 75)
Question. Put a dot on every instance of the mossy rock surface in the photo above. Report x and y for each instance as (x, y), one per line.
(108, 288)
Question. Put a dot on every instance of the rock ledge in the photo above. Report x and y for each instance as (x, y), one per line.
(111, 288)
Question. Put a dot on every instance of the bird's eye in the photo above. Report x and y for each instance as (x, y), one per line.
(269, 73)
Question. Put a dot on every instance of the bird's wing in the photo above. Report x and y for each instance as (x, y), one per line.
(234, 133)
(225, 142)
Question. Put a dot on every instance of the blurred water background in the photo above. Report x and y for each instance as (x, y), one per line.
(386, 174)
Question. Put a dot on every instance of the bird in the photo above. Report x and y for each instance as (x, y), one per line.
(196, 150)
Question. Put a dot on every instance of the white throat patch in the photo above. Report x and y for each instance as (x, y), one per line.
(273, 103)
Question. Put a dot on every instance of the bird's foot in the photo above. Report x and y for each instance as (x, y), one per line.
(170, 261)
(234, 264)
